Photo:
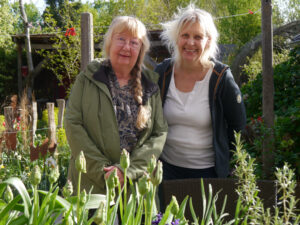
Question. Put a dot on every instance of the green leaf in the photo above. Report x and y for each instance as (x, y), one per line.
(129, 210)
(21, 220)
(10, 206)
(18, 184)
(196, 221)
(168, 216)
(180, 214)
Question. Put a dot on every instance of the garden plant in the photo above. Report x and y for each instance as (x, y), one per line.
(136, 205)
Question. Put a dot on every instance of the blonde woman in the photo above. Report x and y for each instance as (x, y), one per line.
(202, 103)
(115, 104)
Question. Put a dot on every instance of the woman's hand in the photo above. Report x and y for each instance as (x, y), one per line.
(108, 170)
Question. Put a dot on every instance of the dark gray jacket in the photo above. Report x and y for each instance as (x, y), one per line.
(226, 106)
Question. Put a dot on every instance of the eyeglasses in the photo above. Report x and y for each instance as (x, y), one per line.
(121, 41)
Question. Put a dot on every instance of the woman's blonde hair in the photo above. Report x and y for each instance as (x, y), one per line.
(137, 29)
(191, 15)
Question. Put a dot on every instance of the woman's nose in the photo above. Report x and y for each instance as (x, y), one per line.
(190, 41)
(126, 45)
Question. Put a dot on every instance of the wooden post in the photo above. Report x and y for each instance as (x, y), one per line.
(61, 109)
(268, 86)
(34, 119)
(51, 122)
(10, 136)
(9, 118)
(19, 48)
(87, 41)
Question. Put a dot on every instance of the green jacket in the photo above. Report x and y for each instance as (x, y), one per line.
(91, 126)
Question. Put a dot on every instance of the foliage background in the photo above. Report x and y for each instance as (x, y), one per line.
(63, 63)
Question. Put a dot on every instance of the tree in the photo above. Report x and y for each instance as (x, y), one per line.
(6, 24)
(240, 29)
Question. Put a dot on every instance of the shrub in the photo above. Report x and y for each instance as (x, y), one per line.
(287, 116)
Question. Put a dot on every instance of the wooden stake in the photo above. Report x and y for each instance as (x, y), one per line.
(9, 118)
(51, 122)
(61, 108)
(34, 119)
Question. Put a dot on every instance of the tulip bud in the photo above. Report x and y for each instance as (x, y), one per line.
(54, 175)
(8, 195)
(144, 184)
(99, 218)
(112, 180)
(80, 163)
(151, 164)
(83, 197)
(124, 160)
(156, 175)
(175, 207)
(35, 176)
(67, 189)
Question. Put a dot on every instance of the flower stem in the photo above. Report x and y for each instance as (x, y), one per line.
(78, 195)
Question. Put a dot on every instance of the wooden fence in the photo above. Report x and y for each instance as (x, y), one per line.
(13, 114)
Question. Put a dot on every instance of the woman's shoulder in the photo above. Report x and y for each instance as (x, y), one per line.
(219, 67)
(163, 66)
(150, 75)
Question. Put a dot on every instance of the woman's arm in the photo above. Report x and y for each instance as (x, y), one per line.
(78, 137)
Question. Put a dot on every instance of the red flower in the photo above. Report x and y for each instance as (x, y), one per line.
(70, 31)
(259, 119)
(3, 123)
(250, 12)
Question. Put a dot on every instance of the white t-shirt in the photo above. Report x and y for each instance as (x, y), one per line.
(189, 140)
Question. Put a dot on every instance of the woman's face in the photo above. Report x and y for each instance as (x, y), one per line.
(124, 50)
(191, 42)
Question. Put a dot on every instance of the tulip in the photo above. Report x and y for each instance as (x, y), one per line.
(156, 175)
(112, 180)
(99, 218)
(175, 206)
(144, 184)
(80, 163)
(67, 189)
(83, 197)
(124, 160)
(54, 175)
(151, 164)
(35, 176)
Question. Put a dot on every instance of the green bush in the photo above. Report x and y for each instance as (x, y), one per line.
(287, 116)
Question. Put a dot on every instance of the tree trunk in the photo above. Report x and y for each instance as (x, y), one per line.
(30, 80)
(268, 87)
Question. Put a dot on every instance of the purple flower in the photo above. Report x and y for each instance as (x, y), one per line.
(159, 217)
(176, 222)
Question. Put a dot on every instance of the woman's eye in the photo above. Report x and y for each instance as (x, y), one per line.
(185, 36)
(134, 43)
(198, 37)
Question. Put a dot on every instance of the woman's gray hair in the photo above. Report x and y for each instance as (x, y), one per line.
(127, 24)
(190, 15)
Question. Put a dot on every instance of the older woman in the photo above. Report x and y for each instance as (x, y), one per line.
(115, 104)
(202, 103)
